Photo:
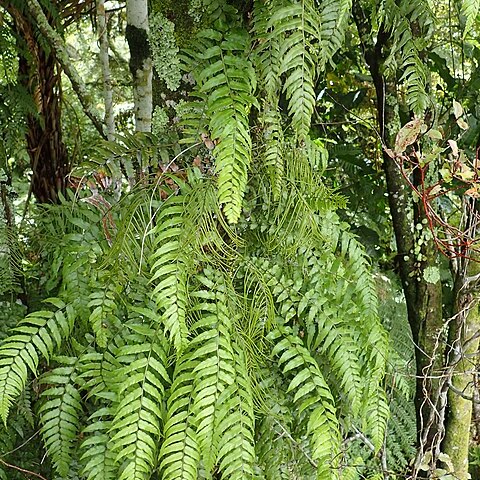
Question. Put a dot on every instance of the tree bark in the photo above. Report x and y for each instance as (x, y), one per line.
(423, 298)
(140, 62)
(39, 73)
(104, 62)
(57, 44)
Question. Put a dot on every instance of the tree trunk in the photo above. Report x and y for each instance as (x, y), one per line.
(104, 62)
(140, 62)
(39, 73)
(423, 297)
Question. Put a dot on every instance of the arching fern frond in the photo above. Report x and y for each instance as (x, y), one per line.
(41, 332)
(60, 412)
(299, 22)
(312, 395)
(137, 419)
(229, 83)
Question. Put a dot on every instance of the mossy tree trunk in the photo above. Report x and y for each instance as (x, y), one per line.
(463, 357)
(423, 292)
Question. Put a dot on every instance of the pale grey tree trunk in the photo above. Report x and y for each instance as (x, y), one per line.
(104, 62)
(140, 62)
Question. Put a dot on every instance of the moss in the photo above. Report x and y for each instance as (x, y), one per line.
(137, 39)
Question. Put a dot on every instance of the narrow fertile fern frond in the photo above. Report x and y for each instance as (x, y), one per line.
(60, 412)
(41, 332)
(313, 396)
(137, 418)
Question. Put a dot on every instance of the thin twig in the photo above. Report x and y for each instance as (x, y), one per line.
(23, 470)
(312, 462)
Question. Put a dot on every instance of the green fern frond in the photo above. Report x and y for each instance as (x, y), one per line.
(214, 370)
(469, 10)
(99, 374)
(41, 332)
(171, 262)
(312, 394)
(377, 414)
(334, 17)
(103, 314)
(138, 416)
(98, 457)
(267, 51)
(273, 149)
(179, 455)
(236, 452)
(229, 82)
(300, 23)
(60, 412)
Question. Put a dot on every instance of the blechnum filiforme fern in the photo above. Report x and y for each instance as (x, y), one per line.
(169, 348)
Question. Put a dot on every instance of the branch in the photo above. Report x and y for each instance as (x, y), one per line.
(60, 50)
(312, 462)
(23, 470)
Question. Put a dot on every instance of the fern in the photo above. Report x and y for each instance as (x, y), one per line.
(469, 10)
(229, 83)
(97, 449)
(41, 332)
(179, 455)
(137, 418)
(311, 393)
(60, 412)
(300, 23)
(170, 265)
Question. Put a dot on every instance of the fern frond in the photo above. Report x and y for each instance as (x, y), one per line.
(41, 332)
(300, 23)
(469, 10)
(137, 419)
(267, 51)
(236, 451)
(334, 17)
(312, 394)
(103, 314)
(170, 267)
(273, 153)
(214, 370)
(60, 412)
(97, 449)
(99, 374)
(179, 455)
(229, 83)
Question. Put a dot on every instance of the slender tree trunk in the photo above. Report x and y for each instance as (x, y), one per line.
(463, 340)
(423, 298)
(140, 62)
(104, 62)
